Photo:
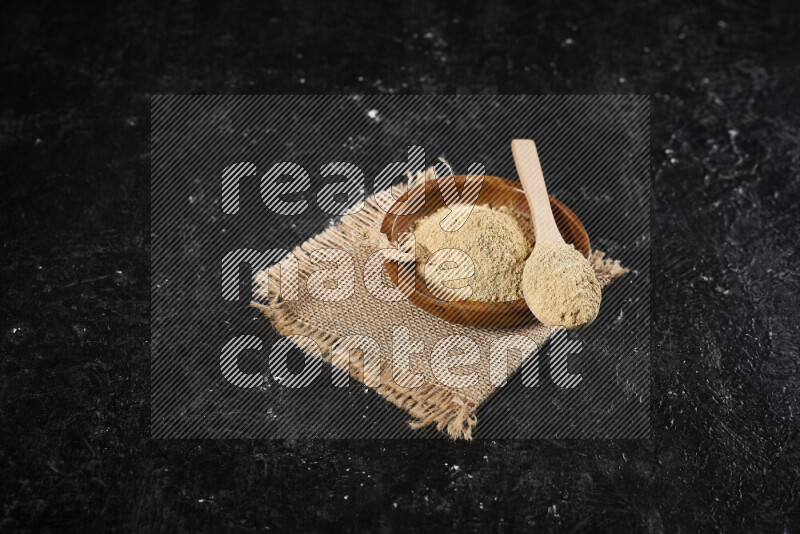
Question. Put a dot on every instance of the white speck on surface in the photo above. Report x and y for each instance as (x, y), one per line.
(569, 41)
(552, 511)
(373, 114)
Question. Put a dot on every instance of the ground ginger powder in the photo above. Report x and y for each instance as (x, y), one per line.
(560, 287)
(498, 240)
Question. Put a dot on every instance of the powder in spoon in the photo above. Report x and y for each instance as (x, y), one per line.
(498, 240)
(560, 287)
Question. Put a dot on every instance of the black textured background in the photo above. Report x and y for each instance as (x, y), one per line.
(76, 81)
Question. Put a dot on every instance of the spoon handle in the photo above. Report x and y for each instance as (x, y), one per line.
(532, 179)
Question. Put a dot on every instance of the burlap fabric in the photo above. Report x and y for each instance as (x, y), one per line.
(397, 367)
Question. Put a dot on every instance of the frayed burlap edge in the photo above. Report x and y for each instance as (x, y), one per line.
(429, 404)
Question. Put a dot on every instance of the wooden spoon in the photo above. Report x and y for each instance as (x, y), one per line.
(558, 282)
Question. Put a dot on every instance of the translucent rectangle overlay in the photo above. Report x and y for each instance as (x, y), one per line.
(239, 181)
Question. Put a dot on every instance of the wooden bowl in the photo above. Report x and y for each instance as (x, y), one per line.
(495, 192)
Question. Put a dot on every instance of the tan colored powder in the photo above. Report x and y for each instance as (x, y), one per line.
(497, 240)
(560, 287)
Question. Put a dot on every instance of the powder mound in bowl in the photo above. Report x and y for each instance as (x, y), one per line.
(498, 240)
(560, 286)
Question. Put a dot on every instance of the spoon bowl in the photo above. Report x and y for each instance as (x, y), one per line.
(495, 192)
